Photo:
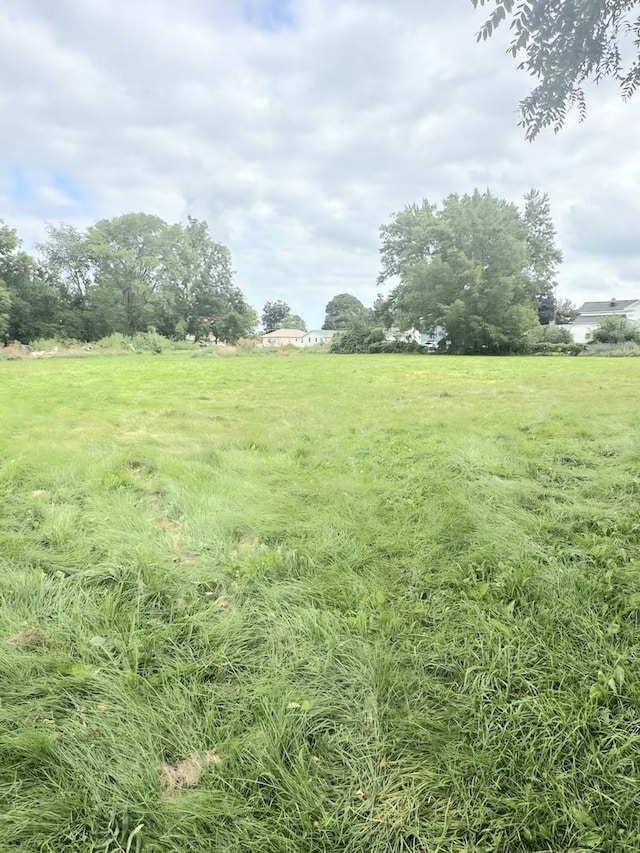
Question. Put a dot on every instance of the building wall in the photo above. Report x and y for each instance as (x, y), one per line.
(280, 342)
(314, 340)
(580, 331)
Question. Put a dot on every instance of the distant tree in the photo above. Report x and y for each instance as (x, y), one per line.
(566, 43)
(273, 315)
(201, 293)
(544, 256)
(342, 311)
(68, 269)
(129, 256)
(293, 321)
(616, 330)
(566, 312)
(463, 267)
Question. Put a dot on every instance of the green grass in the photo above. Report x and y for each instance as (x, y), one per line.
(396, 598)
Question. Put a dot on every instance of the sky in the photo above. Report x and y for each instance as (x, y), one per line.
(296, 128)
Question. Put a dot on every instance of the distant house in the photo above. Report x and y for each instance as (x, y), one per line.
(430, 340)
(282, 337)
(591, 315)
(317, 336)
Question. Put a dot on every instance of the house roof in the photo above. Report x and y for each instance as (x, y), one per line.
(590, 319)
(606, 307)
(325, 333)
(285, 333)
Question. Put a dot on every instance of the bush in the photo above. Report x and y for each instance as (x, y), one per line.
(49, 344)
(616, 330)
(245, 346)
(150, 341)
(554, 335)
(396, 346)
(547, 348)
(357, 339)
(115, 341)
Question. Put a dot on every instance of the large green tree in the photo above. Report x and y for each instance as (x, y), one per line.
(273, 315)
(563, 44)
(131, 256)
(462, 267)
(203, 298)
(342, 311)
(69, 271)
(544, 257)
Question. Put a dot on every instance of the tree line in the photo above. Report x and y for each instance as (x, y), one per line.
(127, 274)
(476, 268)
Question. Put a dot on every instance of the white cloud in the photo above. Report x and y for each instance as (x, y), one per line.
(295, 130)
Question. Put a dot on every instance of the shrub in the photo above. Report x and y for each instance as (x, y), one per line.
(115, 341)
(616, 330)
(357, 339)
(150, 341)
(245, 346)
(555, 335)
(548, 348)
(396, 346)
(49, 344)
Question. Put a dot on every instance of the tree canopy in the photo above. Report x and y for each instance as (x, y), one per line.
(563, 44)
(294, 321)
(342, 311)
(127, 274)
(476, 267)
(273, 315)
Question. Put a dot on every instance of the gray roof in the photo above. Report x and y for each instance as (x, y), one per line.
(325, 333)
(591, 319)
(597, 307)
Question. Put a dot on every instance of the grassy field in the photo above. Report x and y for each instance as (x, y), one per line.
(319, 603)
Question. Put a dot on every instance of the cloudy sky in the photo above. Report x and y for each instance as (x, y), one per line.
(296, 127)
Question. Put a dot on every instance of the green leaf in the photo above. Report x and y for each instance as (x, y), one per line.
(592, 839)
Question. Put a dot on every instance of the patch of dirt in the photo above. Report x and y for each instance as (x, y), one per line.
(38, 493)
(224, 602)
(166, 523)
(30, 638)
(188, 773)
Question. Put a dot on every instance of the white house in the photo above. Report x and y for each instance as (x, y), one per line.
(282, 337)
(591, 314)
(317, 336)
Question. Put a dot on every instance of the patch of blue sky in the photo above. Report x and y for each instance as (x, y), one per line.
(18, 186)
(270, 15)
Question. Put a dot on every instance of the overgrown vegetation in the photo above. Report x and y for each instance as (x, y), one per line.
(394, 609)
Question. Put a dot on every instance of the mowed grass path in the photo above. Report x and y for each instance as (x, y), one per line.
(319, 603)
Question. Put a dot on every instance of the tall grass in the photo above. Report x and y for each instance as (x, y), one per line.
(314, 605)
